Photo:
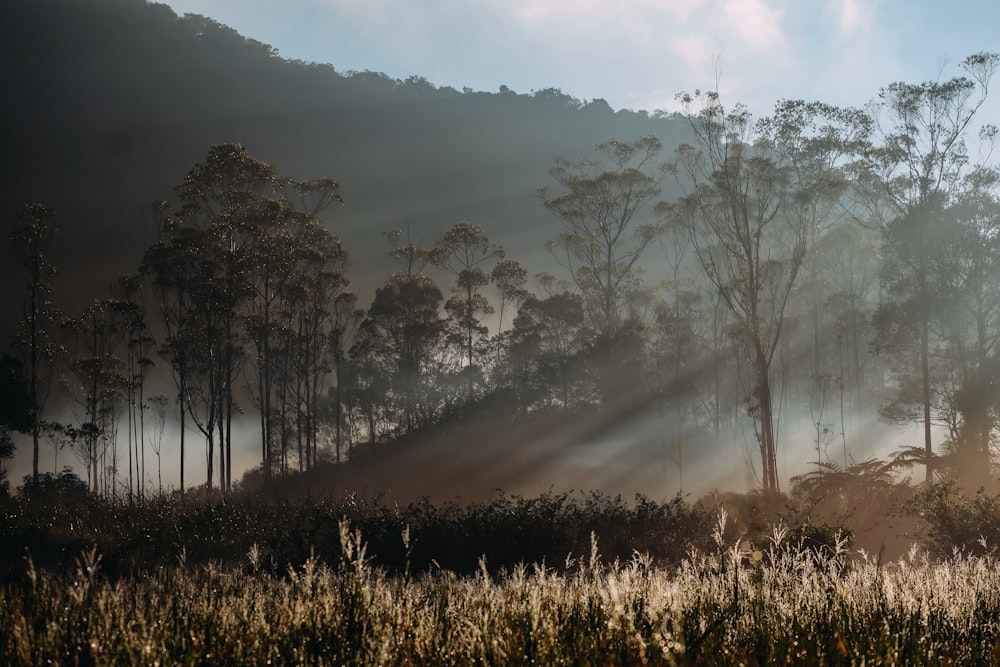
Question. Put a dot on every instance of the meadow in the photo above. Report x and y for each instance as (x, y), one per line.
(703, 591)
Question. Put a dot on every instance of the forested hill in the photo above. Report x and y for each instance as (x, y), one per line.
(109, 102)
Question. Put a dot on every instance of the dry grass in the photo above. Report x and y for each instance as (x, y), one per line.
(781, 604)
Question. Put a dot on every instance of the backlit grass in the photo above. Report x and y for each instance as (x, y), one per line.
(732, 604)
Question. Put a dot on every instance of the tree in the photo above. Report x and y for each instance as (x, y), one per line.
(346, 318)
(96, 381)
(608, 219)
(403, 325)
(171, 265)
(509, 278)
(907, 177)
(462, 251)
(739, 212)
(137, 341)
(38, 316)
(546, 353)
(401, 336)
(971, 319)
(608, 222)
(245, 260)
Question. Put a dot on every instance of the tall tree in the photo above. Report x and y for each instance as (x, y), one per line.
(748, 240)
(137, 345)
(171, 266)
(404, 322)
(606, 209)
(246, 260)
(547, 347)
(971, 322)
(346, 318)
(463, 251)
(35, 335)
(907, 177)
(95, 383)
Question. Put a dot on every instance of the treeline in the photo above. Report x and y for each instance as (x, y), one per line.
(819, 260)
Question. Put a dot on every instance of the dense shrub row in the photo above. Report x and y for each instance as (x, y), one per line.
(56, 519)
(56, 528)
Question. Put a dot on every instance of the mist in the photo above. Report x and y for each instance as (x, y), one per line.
(664, 361)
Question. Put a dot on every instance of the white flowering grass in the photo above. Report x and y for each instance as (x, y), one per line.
(741, 605)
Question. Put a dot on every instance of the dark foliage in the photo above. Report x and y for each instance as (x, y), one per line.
(955, 520)
(15, 398)
(551, 529)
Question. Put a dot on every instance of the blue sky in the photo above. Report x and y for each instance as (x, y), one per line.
(633, 53)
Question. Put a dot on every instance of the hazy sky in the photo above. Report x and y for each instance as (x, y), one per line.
(633, 53)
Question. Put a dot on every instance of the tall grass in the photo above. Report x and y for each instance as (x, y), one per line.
(731, 604)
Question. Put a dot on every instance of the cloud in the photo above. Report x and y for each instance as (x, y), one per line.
(853, 17)
(856, 21)
(755, 22)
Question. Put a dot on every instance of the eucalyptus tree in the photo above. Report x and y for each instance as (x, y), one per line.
(405, 327)
(171, 266)
(35, 335)
(324, 308)
(137, 345)
(368, 382)
(509, 279)
(607, 212)
(546, 354)
(906, 180)
(403, 334)
(308, 297)
(817, 143)
(346, 317)
(226, 195)
(95, 382)
(605, 209)
(971, 322)
(224, 272)
(750, 243)
(464, 251)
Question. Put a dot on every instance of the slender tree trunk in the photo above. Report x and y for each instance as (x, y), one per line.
(767, 439)
(925, 379)
(181, 400)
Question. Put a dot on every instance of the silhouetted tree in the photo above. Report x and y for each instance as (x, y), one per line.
(608, 221)
(171, 266)
(138, 345)
(547, 348)
(95, 382)
(405, 323)
(38, 315)
(246, 259)
(462, 251)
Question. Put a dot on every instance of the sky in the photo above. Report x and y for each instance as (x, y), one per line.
(634, 54)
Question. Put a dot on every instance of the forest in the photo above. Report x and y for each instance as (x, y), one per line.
(357, 426)
(819, 261)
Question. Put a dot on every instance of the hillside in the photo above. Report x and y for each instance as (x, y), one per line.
(113, 100)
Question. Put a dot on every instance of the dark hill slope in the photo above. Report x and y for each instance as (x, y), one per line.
(109, 102)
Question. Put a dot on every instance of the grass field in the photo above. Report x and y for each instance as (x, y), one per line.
(784, 603)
